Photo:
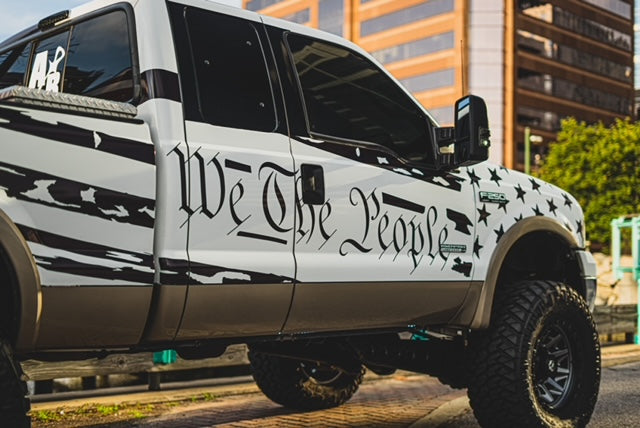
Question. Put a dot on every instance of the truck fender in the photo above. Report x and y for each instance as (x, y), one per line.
(27, 282)
(523, 227)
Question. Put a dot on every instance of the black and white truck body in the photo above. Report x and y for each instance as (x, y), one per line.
(189, 175)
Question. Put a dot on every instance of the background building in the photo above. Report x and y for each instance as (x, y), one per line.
(533, 61)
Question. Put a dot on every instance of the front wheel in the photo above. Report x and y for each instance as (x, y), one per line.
(302, 385)
(538, 365)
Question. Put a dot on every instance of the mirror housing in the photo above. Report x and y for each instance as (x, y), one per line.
(468, 142)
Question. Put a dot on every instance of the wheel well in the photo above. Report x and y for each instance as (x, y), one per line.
(9, 299)
(542, 255)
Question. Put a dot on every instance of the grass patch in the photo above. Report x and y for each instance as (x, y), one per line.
(48, 416)
(207, 396)
(108, 410)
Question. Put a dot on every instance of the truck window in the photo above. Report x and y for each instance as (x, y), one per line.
(99, 59)
(93, 58)
(348, 97)
(226, 62)
(47, 65)
(13, 66)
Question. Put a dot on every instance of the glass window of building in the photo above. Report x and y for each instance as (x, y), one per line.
(260, 4)
(425, 46)
(618, 7)
(545, 11)
(444, 115)
(405, 16)
(547, 48)
(300, 17)
(331, 16)
(429, 81)
(349, 98)
(546, 120)
(550, 85)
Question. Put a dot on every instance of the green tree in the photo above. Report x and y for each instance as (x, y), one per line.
(600, 166)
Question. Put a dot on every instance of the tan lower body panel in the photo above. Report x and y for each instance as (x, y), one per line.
(355, 306)
(93, 317)
(234, 310)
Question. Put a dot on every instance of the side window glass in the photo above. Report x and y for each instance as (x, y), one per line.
(232, 80)
(99, 59)
(13, 66)
(348, 97)
(48, 63)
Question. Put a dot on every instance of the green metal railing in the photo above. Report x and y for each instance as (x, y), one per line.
(633, 223)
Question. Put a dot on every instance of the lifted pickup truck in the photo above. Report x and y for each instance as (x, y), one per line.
(187, 175)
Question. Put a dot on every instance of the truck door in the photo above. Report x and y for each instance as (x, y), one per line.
(383, 237)
(241, 176)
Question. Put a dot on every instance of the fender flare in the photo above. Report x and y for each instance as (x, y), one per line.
(28, 281)
(523, 227)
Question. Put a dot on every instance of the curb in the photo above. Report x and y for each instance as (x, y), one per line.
(615, 355)
(443, 414)
(611, 355)
(151, 397)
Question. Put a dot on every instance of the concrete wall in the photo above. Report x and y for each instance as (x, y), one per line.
(486, 65)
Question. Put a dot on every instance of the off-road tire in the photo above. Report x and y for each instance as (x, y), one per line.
(14, 404)
(541, 331)
(288, 382)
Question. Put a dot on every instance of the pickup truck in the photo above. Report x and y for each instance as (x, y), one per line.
(186, 175)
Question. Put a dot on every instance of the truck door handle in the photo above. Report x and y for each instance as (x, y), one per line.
(312, 184)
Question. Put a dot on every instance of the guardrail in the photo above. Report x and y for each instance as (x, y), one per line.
(616, 319)
(43, 373)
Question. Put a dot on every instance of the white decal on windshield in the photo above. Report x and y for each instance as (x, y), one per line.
(43, 78)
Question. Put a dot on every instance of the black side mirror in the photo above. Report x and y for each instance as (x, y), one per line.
(468, 142)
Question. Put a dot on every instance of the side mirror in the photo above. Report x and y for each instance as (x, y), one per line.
(468, 142)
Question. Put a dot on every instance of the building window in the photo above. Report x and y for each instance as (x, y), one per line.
(13, 66)
(546, 120)
(331, 16)
(405, 16)
(99, 59)
(349, 98)
(429, 81)
(300, 17)
(416, 48)
(547, 48)
(618, 7)
(444, 115)
(223, 71)
(260, 4)
(550, 85)
(546, 12)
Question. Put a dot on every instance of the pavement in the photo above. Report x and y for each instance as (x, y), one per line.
(400, 400)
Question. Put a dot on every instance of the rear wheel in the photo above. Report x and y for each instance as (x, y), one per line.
(538, 365)
(14, 404)
(303, 385)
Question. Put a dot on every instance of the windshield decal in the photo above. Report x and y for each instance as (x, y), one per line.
(43, 77)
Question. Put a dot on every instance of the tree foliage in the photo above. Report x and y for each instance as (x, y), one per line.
(600, 166)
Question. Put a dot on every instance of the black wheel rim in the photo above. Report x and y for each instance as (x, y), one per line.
(553, 367)
(320, 373)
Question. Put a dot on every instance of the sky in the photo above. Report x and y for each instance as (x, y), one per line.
(19, 14)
